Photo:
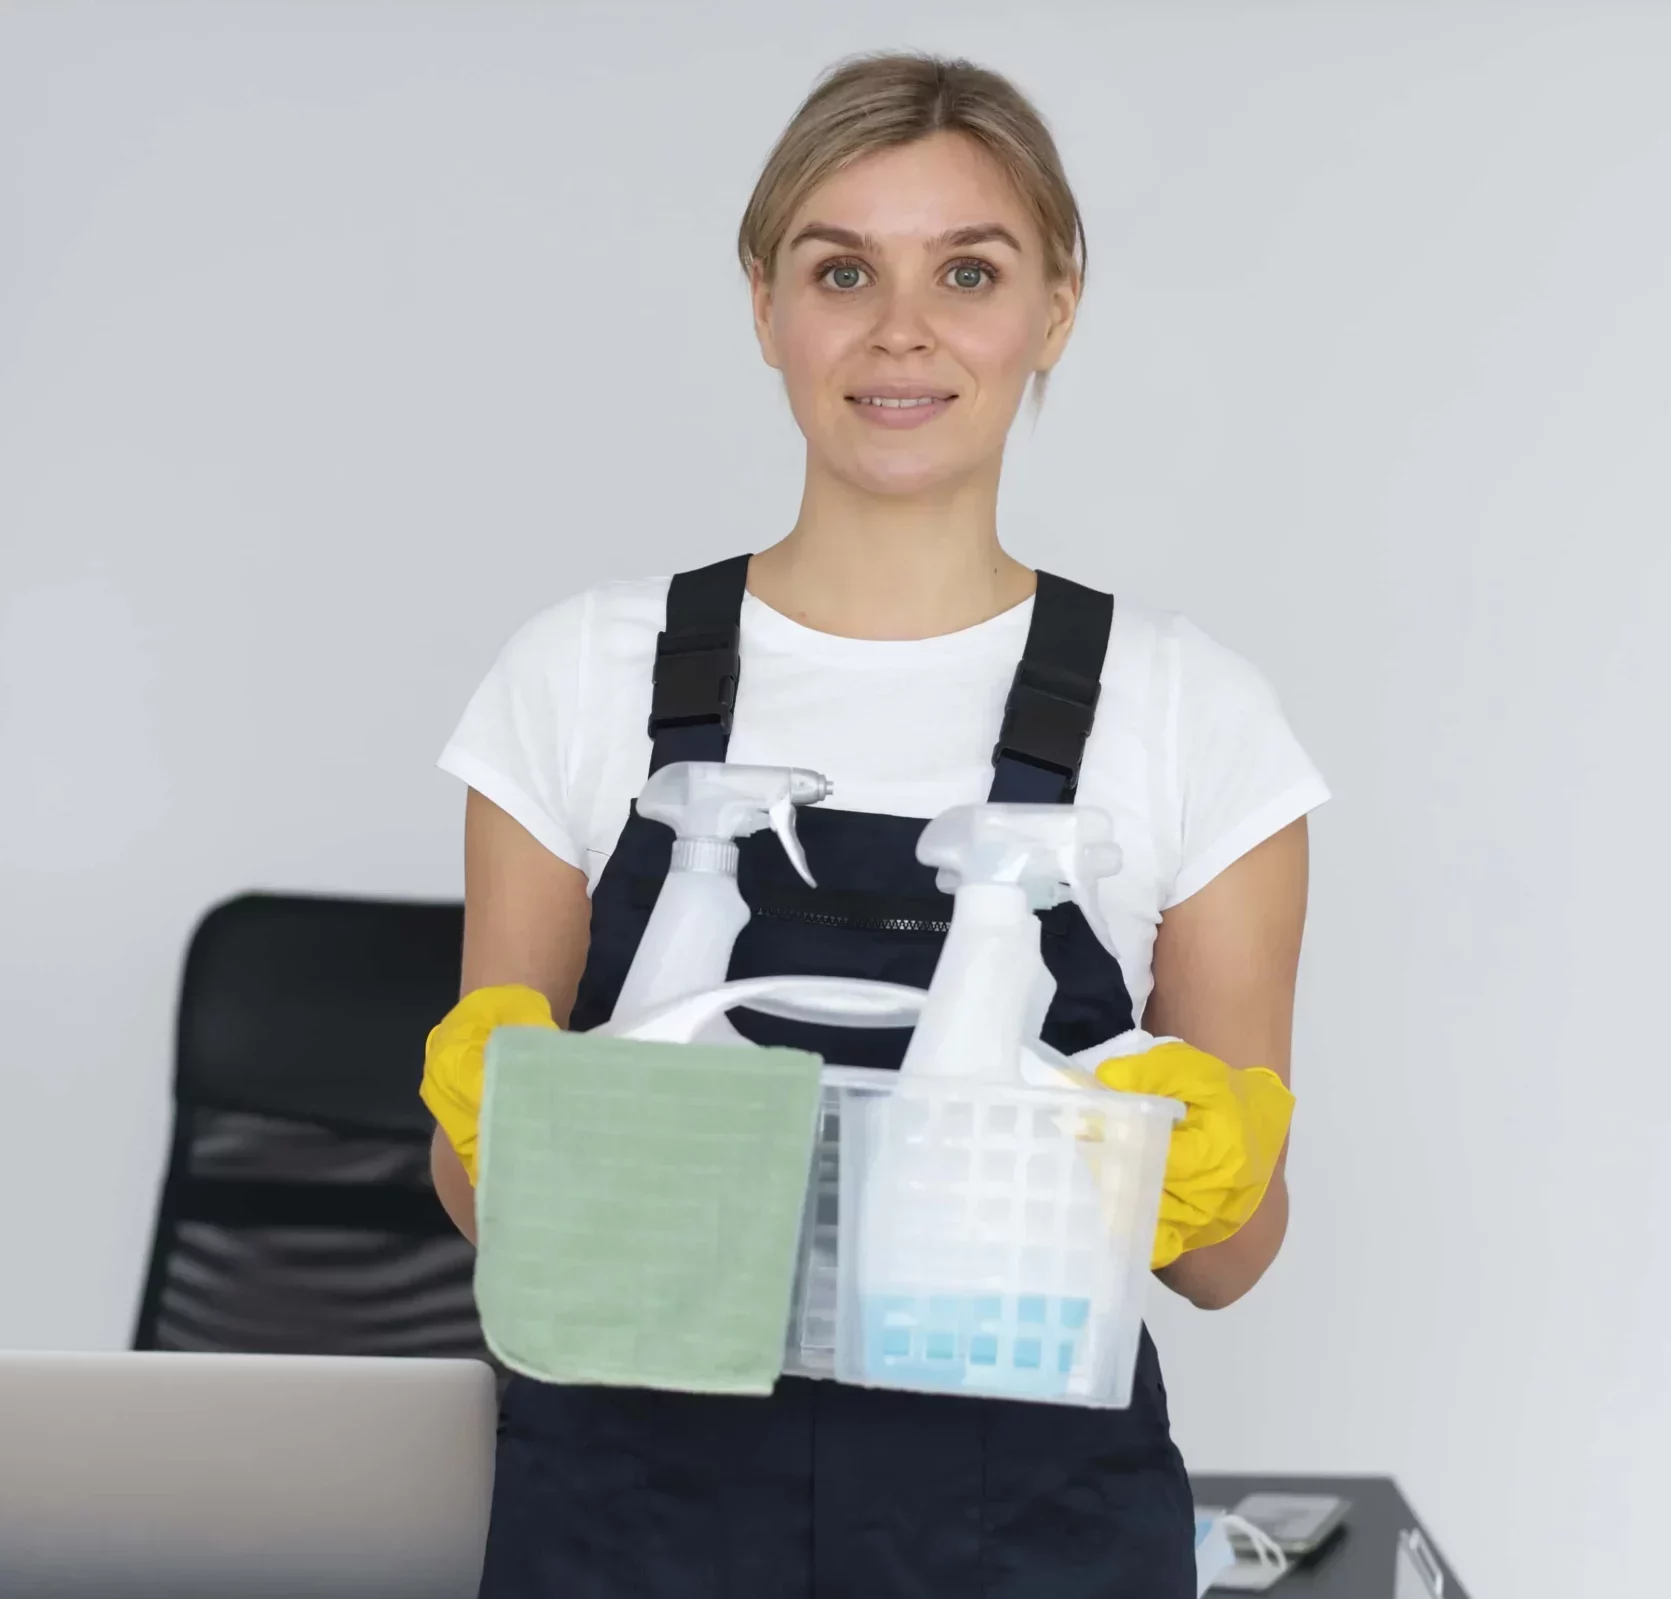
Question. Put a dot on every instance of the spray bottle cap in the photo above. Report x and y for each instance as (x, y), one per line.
(1051, 852)
(716, 801)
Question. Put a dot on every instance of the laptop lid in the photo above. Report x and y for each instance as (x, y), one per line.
(216, 1474)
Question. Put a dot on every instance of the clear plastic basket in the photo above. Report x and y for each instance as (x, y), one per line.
(960, 1238)
(957, 1237)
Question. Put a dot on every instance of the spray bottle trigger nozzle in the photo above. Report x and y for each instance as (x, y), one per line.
(781, 814)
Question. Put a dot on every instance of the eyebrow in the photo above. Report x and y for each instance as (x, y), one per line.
(953, 239)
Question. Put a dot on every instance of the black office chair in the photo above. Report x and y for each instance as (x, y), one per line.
(297, 1214)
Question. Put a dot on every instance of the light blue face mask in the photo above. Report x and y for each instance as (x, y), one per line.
(1216, 1562)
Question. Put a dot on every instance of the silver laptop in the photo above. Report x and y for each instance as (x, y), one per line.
(257, 1476)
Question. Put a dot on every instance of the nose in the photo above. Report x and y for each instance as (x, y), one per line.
(901, 326)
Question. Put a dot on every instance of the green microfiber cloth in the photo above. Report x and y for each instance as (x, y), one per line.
(639, 1206)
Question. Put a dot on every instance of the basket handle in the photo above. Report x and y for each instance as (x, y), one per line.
(827, 1001)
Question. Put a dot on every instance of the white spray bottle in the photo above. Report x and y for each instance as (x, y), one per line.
(687, 945)
(980, 1255)
(991, 989)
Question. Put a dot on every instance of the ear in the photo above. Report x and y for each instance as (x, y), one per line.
(1059, 320)
(760, 297)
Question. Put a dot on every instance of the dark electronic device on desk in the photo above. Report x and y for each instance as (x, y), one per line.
(1377, 1550)
(1300, 1525)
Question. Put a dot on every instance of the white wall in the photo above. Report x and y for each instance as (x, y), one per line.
(335, 340)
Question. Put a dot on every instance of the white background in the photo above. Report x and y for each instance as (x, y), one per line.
(336, 340)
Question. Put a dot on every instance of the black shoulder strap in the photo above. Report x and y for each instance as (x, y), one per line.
(1053, 700)
(697, 665)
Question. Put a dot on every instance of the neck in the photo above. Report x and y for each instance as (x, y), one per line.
(891, 567)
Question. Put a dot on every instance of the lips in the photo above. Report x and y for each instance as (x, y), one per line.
(904, 401)
(907, 409)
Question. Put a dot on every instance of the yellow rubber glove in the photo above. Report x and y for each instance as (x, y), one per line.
(1224, 1151)
(452, 1085)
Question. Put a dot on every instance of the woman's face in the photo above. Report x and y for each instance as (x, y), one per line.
(914, 276)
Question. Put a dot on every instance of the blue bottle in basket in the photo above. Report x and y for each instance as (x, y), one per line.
(1023, 1346)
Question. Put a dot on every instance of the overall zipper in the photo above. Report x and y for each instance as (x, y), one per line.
(809, 916)
(843, 910)
(851, 910)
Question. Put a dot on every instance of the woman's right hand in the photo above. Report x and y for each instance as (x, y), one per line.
(454, 1056)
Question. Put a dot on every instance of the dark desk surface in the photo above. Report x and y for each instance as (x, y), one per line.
(1360, 1564)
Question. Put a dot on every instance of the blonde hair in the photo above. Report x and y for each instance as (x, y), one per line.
(878, 102)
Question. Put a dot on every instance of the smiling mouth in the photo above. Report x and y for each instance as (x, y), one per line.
(889, 402)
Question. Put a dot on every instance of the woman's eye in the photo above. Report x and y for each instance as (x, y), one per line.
(844, 275)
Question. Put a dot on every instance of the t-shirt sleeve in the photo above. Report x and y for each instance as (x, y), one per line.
(516, 743)
(1238, 774)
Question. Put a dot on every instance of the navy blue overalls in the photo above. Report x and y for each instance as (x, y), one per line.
(825, 1491)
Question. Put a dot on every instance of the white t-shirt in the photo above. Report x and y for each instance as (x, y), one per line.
(1190, 752)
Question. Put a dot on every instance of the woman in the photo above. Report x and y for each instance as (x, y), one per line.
(915, 259)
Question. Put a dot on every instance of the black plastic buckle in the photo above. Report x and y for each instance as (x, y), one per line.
(1047, 719)
(694, 682)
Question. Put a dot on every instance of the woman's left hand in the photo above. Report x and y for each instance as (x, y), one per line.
(1225, 1149)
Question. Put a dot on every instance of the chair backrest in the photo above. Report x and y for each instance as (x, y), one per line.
(297, 1214)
